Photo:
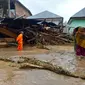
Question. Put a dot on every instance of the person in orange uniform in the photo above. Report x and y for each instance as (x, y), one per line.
(20, 41)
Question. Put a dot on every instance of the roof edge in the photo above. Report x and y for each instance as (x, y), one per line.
(71, 18)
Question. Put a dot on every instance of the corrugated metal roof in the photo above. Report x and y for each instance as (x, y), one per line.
(81, 13)
(45, 14)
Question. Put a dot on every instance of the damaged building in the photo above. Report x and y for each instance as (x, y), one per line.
(21, 9)
(13, 8)
(40, 28)
(10, 10)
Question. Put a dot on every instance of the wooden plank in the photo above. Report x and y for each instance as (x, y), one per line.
(7, 32)
(3, 44)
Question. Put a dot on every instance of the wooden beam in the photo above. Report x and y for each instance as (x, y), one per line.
(7, 32)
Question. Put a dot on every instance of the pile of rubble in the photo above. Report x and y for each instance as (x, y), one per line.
(49, 37)
(34, 33)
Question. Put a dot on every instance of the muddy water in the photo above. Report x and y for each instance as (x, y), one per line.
(61, 55)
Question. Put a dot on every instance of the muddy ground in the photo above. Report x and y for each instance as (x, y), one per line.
(61, 55)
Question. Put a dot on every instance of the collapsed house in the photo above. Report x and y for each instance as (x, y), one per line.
(33, 32)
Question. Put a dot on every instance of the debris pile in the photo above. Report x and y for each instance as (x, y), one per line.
(53, 38)
(47, 37)
(35, 32)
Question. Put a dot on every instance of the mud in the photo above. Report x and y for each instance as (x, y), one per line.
(61, 55)
(36, 77)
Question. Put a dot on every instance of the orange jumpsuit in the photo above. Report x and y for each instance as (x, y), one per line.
(20, 42)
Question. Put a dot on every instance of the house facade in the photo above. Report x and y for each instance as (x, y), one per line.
(13, 8)
(22, 10)
(77, 20)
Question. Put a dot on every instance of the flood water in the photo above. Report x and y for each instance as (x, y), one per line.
(61, 55)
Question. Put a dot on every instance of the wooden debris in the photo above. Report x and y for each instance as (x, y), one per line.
(47, 38)
(35, 35)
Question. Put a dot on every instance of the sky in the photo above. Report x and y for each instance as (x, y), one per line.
(64, 8)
